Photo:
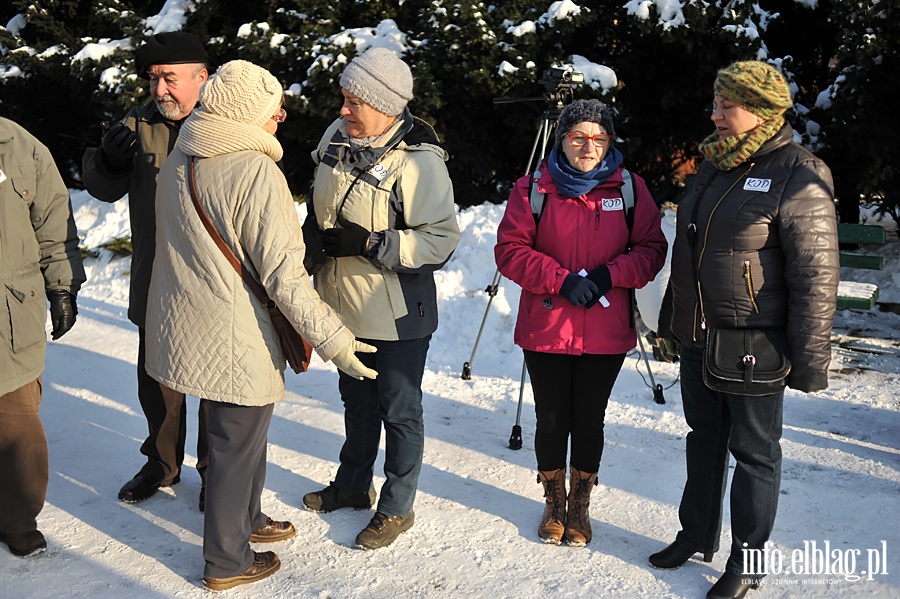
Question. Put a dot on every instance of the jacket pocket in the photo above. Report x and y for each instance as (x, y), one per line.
(751, 293)
(23, 181)
(27, 313)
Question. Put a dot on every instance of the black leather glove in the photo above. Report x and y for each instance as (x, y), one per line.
(63, 311)
(315, 257)
(119, 146)
(577, 289)
(351, 240)
(600, 277)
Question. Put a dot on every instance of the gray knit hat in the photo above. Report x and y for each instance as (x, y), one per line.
(581, 111)
(243, 92)
(379, 79)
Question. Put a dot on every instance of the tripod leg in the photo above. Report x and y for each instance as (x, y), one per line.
(515, 440)
(657, 389)
(540, 139)
(491, 291)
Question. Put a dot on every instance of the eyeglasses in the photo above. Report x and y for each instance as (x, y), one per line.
(579, 139)
(280, 116)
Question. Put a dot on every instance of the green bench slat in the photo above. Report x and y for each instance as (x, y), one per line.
(854, 299)
(857, 303)
(862, 261)
(854, 233)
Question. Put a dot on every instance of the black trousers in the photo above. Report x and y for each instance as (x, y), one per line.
(570, 398)
(749, 428)
(166, 414)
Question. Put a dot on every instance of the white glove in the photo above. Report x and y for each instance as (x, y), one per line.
(347, 361)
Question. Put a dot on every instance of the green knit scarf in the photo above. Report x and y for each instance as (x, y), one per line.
(725, 154)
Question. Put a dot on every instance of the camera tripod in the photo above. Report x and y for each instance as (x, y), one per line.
(545, 129)
(547, 125)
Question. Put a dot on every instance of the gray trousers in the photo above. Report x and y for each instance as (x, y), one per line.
(24, 467)
(235, 479)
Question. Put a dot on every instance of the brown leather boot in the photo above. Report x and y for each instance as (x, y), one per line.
(578, 524)
(553, 521)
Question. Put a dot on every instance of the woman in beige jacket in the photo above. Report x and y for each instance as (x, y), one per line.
(208, 335)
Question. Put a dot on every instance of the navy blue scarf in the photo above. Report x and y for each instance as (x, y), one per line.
(571, 182)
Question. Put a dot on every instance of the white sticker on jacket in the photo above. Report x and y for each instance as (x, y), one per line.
(760, 185)
(612, 204)
(2, 176)
(378, 171)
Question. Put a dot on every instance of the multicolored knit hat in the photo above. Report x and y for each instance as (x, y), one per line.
(755, 86)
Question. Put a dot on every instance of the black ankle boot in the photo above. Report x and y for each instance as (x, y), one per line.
(732, 586)
(675, 555)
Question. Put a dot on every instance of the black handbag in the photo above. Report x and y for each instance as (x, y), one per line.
(746, 361)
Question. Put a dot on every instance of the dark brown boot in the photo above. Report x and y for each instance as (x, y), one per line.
(553, 521)
(578, 524)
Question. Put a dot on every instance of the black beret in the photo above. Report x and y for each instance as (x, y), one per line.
(173, 47)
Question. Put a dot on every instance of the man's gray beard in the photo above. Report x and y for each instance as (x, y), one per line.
(171, 112)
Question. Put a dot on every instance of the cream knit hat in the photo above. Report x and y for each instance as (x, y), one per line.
(379, 79)
(243, 92)
(234, 105)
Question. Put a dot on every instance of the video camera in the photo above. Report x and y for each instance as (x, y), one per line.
(558, 83)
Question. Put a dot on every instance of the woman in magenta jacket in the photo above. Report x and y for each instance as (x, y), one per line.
(576, 328)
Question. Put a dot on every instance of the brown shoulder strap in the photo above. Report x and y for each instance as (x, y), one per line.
(238, 266)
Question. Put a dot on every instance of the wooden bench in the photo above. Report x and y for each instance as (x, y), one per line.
(852, 295)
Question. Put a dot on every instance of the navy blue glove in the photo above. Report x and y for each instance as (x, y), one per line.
(577, 289)
(351, 240)
(63, 311)
(600, 277)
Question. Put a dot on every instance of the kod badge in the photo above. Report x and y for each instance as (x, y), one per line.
(761, 185)
(613, 204)
(378, 171)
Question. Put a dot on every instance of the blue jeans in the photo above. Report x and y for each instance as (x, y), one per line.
(394, 400)
(748, 427)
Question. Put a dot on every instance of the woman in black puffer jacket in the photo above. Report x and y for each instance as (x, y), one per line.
(756, 248)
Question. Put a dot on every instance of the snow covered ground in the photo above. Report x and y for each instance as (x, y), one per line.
(478, 503)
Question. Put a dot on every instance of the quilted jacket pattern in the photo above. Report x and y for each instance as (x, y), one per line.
(767, 249)
(207, 334)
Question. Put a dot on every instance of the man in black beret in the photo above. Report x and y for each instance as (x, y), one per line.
(127, 162)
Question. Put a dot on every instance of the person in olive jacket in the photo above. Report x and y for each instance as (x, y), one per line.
(381, 221)
(128, 162)
(38, 254)
(756, 248)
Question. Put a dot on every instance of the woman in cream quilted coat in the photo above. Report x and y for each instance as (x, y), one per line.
(208, 335)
